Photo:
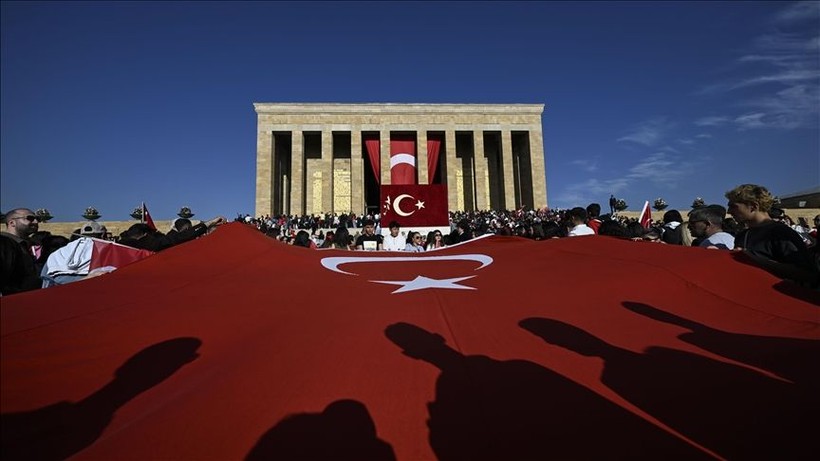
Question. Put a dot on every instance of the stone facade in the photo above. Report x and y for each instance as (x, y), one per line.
(312, 158)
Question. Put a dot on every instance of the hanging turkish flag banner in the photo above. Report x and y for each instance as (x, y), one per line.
(415, 205)
(403, 161)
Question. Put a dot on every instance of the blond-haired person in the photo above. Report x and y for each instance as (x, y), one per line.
(773, 245)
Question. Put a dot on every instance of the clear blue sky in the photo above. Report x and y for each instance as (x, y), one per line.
(112, 104)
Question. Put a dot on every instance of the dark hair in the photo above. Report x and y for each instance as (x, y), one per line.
(651, 234)
(551, 229)
(578, 213)
(137, 230)
(633, 229)
(410, 236)
(50, 244)
(672, 215)
(393, 224)
(777, 213)
(593, 210)
(302, 239)
(711, 214)
(612, 228)
(181, 224)
(342, 238)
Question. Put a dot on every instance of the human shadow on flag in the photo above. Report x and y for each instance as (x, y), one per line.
(794, 359)
(516, 409)
(803, 293)
(63, 429)
(344, 430)
(737, 412)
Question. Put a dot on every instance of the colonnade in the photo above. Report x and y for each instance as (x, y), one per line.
(310, 161)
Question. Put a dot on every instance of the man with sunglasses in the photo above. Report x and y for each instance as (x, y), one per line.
(17, 269)
(706, 224)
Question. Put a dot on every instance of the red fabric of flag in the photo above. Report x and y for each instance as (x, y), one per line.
(105, 253)
(433, 149)
(415, 205)
(646, 216)
(146, 216)
(403, 160)
(492, 349)
(374, 152)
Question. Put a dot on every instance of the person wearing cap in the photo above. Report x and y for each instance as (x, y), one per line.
(73, 261)
(18, 271)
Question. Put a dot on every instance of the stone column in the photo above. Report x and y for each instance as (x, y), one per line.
(384, 155)
(507, 164)
(421, 155)
(297, 172)
(264, 172)
(452, 166)
(356, 171)
(326, 167)
(539, 180)
(482, 189)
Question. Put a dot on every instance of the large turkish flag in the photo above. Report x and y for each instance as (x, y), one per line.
(415, 205)
(497, 348)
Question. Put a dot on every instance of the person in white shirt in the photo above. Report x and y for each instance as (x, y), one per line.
(394, 241)
(707, 223)
(578, 217)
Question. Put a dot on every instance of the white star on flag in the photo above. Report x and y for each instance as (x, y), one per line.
(419, 204)
(422, 283)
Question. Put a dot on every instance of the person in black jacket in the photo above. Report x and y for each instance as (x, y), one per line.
(672, 228)
(141, 236)
(18, 271)
(771, 244)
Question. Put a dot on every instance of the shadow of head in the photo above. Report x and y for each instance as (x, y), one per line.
(565, 335)
(350, 416)
(415, 342)
(157, 362)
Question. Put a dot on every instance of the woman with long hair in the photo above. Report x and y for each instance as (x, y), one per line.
(342, 239)
(434, 240)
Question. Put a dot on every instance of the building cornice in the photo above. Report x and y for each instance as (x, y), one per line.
(396, 108)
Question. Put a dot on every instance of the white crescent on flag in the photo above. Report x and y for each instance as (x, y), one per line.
(397, 205)
(402, 158)
(333, 263)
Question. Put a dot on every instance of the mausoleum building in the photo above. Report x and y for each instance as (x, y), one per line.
(320, 158)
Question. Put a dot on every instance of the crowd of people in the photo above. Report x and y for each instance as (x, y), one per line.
(32, 259)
